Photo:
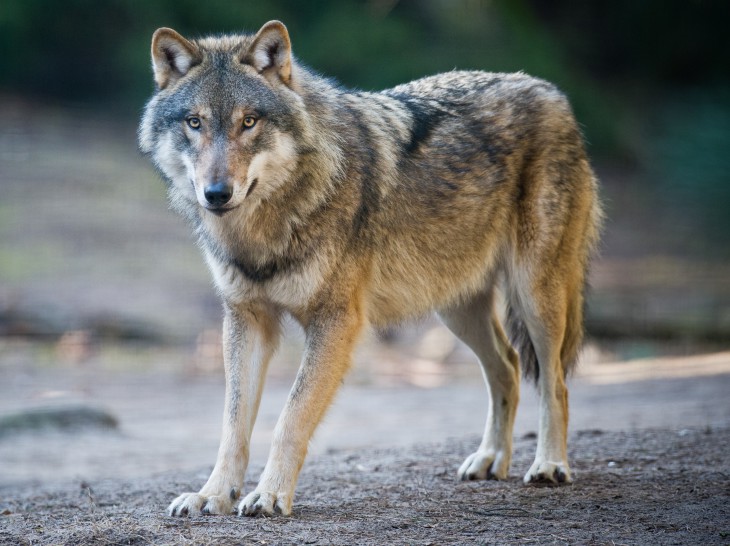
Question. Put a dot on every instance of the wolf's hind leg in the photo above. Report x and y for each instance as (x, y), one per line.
(475, 323)
(250, 337)
(546, 324)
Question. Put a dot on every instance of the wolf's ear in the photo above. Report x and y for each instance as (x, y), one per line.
(271, 51)
(172, 56)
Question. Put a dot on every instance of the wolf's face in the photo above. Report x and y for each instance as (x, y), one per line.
(221, 126)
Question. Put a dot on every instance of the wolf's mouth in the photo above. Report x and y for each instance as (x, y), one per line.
(252, 186)
(219, 211)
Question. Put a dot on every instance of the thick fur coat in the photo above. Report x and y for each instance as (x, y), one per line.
(346, 209)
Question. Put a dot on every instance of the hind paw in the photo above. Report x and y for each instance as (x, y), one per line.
(189, 504)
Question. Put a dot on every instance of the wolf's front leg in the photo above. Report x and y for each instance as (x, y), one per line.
(250, 337)
(330, 342)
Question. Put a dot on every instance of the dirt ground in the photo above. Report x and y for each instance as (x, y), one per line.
(644, 487)
(649, 449)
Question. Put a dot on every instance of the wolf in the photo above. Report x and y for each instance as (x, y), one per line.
(348, 209)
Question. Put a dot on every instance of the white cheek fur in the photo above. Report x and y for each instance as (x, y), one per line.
(178, 167)
(273, 167)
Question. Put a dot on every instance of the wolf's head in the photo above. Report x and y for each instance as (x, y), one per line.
(225, 121)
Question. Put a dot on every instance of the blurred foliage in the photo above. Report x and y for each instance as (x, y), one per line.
(688, 165)
(648, 79)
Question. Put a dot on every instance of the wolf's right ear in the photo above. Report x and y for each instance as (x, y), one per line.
(172, 56)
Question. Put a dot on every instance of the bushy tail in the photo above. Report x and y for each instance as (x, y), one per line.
(520, 339)
(573, 338)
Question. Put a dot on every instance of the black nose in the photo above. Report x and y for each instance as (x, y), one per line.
(218, 193)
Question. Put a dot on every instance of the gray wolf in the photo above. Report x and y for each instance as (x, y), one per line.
(346, 209)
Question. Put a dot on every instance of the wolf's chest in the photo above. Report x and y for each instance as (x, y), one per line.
(287, 285)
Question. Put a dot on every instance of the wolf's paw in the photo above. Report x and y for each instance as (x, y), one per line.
(484, 465)
(265, 503)
(194, 503)
(548, 472)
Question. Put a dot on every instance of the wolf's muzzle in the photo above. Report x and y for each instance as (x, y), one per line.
(218, 194)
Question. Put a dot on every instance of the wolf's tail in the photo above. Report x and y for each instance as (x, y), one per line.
(520, 339)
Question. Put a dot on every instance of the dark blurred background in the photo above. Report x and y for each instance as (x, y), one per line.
(86, 242)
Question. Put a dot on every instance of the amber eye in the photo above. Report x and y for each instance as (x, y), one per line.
(193, 123)
(248, 122)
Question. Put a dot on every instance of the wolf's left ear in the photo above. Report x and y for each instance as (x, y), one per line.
(172, 56)
(271, 51)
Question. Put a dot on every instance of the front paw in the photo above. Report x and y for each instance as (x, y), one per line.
(265, 503)
(196, 503)
(485, 465)
(548, 472)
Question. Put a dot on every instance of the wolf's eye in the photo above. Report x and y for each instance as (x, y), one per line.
(193, 123)
(248, 122)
